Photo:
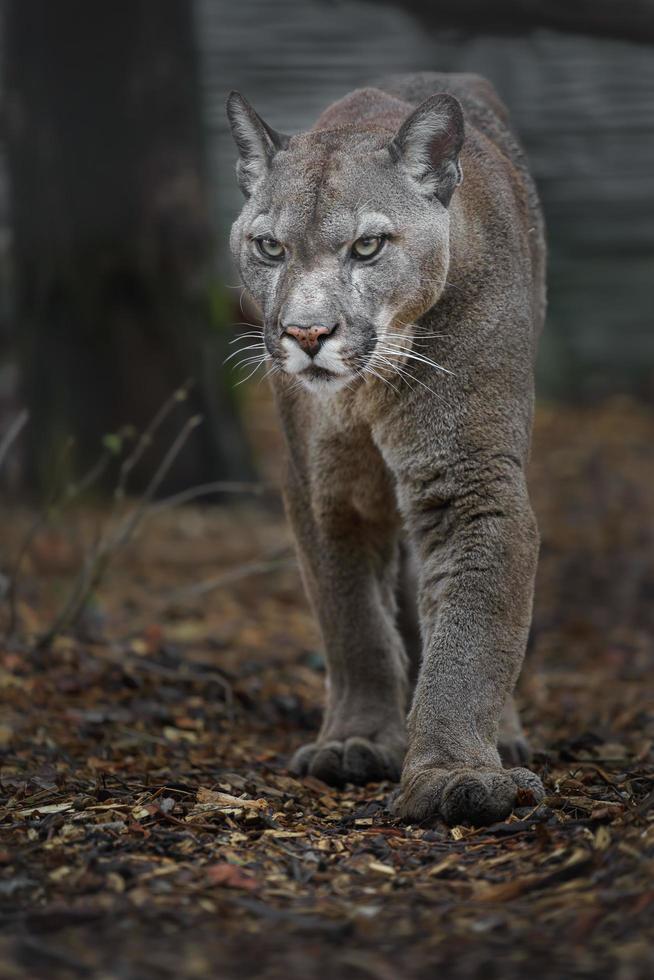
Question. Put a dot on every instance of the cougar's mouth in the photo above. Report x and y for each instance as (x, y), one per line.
(317, 373)
(320, 379)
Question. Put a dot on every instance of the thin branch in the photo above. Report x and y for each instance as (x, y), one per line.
(107, 547)
(133, 520)
(12, 433)
(227, 578)
(74, 490)
(71, 493)
(204, 489)
(146, 437)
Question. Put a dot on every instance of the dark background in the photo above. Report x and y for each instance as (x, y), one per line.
(117, 193)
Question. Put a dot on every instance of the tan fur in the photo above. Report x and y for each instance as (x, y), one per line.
(431, 472)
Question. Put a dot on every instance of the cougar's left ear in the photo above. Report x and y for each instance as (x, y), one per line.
(428, 146)
(256, 141)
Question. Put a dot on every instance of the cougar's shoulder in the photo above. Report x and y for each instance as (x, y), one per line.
(368, 108)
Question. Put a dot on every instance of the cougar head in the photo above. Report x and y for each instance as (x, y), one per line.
(343, 240)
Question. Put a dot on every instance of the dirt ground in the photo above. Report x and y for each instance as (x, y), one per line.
(149, 828)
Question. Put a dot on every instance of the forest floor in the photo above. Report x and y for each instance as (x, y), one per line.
(149, 828)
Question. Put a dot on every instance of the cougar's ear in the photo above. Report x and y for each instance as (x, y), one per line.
(428, 146)
(257, 143)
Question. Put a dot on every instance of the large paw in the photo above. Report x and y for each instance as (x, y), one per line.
(475, 796)
(354, 760)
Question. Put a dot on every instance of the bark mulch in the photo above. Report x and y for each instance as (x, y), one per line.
(149, 828)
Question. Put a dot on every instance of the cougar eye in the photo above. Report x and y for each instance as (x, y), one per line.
(271, 248)
(367, 246)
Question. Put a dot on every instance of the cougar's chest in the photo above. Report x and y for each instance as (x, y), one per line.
(348, 473)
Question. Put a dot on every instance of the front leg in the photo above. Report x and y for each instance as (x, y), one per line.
(478, 543)
(349, 555)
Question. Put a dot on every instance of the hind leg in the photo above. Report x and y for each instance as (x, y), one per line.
(349, 561)
(512, 744)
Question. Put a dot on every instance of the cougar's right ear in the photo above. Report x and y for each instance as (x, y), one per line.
(257, 143)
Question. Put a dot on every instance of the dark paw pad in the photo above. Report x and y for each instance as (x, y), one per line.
(355, 760)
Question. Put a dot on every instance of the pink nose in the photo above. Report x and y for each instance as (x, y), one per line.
(309, 338)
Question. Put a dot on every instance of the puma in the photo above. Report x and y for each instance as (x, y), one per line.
(396, 253)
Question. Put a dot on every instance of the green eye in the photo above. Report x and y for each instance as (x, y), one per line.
(271, 248)
(367, 246)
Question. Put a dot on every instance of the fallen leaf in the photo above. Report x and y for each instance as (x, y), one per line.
(220, 800)
(46, 808)
(230, 876)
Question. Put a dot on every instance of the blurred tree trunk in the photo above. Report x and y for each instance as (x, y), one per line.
(111, 238)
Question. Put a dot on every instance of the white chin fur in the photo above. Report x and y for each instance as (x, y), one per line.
(327, 385)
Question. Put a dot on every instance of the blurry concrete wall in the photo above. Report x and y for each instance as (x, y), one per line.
(584, 108)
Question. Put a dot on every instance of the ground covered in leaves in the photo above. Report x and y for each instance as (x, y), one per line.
(149, 829)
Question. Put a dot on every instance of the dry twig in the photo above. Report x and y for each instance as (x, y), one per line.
(12, 433)
(108, 545)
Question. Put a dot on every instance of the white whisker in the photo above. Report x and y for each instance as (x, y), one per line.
(246, 336)
(367, 369)
(413, 355)
(250, 359)
(408, 336)
(270, 370)
(406, 374)
(252, 372)
(242, 350)
(395, 368)
(444, 283)
(426, 387)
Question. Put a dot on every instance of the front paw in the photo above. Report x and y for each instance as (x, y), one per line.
(353, 760)
(475, 796)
